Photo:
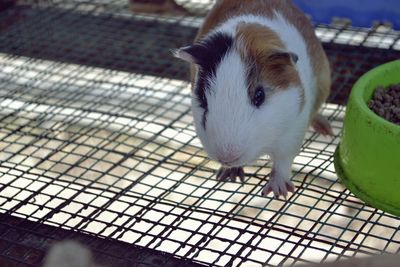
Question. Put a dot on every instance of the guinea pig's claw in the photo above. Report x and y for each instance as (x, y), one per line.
(279, 187)
(219, 174)
(290, 187)
(241, 174)
(225, 174)
(232, 176)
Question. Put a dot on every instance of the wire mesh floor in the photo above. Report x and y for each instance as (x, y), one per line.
(96, 136)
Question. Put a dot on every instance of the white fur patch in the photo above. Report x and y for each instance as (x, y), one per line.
(234, 124)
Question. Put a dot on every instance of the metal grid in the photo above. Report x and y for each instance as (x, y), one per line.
(96, 136)
(24, 243)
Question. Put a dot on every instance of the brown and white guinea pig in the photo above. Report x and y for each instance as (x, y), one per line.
(259, 77)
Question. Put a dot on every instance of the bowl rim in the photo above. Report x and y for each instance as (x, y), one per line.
(362, 83)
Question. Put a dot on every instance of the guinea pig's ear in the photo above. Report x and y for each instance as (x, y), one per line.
(283, 57)
(262, 43)
(191, 54)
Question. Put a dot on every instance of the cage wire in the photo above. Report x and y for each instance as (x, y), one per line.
(96, 137)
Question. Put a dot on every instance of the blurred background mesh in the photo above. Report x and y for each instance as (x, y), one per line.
(96, 138)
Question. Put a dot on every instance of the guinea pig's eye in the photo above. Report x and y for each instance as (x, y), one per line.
(259, 96)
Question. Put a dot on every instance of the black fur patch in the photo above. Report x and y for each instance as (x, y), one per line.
(207, 54)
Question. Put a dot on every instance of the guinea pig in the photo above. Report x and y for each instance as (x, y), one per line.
(259, 77)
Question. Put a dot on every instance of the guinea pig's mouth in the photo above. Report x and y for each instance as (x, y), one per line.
(240, 161)
(231, 165)
(229, 158)
(231, 162)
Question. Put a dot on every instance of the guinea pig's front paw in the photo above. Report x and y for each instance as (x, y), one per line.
(279, 186)
(224, 174)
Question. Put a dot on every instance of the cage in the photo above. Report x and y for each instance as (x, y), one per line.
(97, 144)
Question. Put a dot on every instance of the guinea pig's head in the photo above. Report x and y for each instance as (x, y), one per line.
(246, 93)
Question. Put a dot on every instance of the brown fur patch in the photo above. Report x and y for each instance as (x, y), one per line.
(257, 39)
(267, 59)
(225, 9)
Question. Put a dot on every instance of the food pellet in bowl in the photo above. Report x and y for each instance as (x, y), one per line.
(386, 103)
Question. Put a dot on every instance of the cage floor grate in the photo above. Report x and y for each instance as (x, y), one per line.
(96, 136)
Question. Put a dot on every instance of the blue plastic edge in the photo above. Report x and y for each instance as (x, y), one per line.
(362, 13)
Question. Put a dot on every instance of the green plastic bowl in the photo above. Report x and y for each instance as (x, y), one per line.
(367, 160)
